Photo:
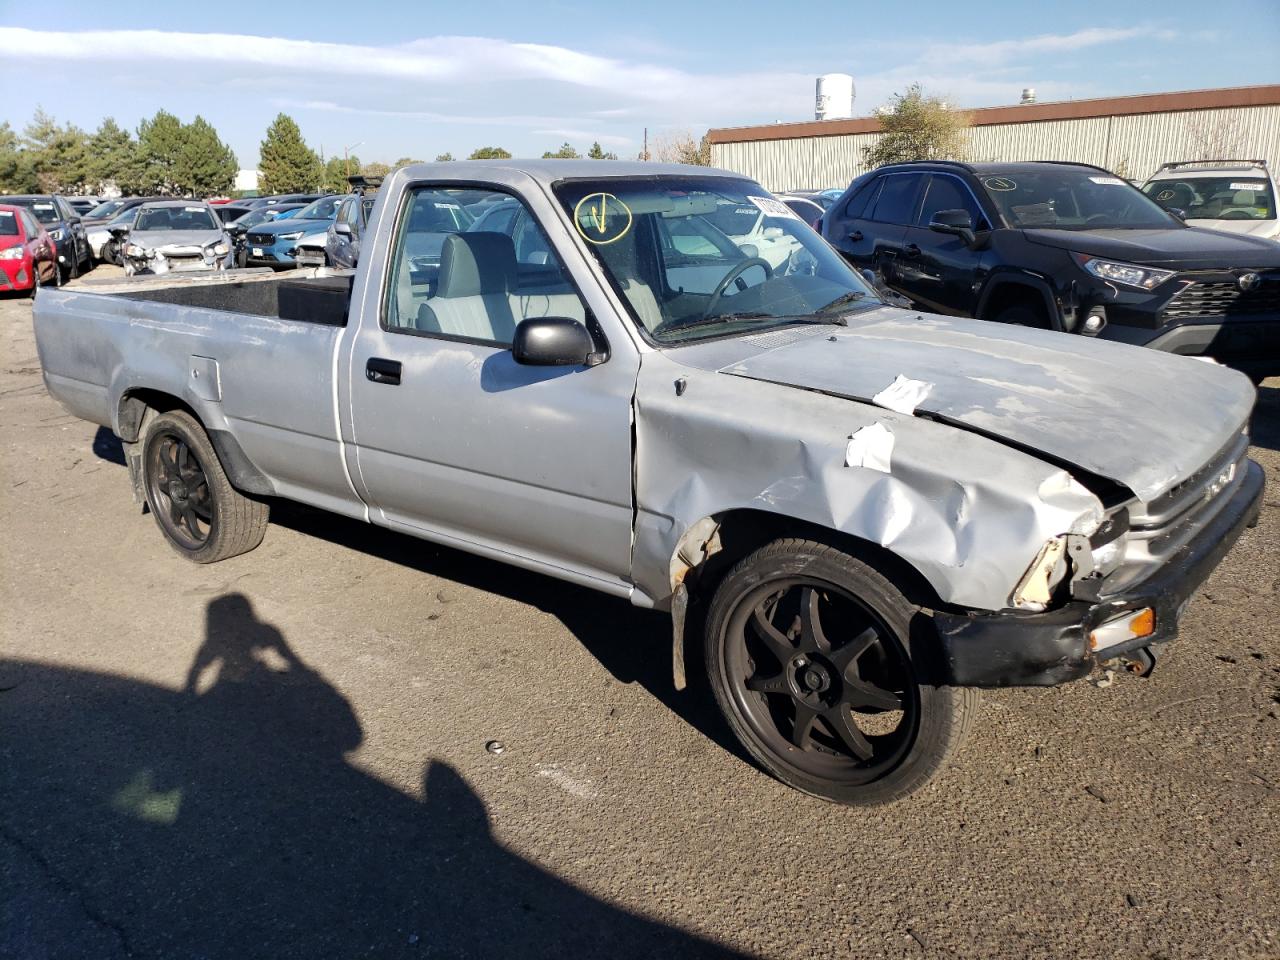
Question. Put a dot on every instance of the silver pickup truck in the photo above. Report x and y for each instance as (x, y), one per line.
(591, 370)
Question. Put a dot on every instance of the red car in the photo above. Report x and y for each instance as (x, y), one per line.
(27, 256)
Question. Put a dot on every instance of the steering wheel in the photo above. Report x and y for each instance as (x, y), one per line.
(734, 273)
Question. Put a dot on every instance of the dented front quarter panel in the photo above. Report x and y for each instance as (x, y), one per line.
(967, 512)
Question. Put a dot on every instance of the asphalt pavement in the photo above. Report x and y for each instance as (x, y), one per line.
(292, 754)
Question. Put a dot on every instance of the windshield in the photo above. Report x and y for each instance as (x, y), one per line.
(8, 223)
(1072, 198)
(1237, 197)
(44, 210)
(105, 210)
(263, 214)
(661, 243)
(175, 218)
(125, 218)
(326, 208)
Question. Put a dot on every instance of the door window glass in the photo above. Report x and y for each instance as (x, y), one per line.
(897, 199)
(858, 204)
(948, 193)
(455, 276)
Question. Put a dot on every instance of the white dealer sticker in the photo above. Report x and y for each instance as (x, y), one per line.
(1111, 181)
(194, 209)
(772, 207)
(1256, 185)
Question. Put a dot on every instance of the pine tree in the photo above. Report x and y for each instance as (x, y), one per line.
(160, 142)
(286, 163)
(444, 157)
(57, 155)
(489, 153)
(16, 175)
(113, 158)
(566, 152)
(597, 152)
(206, 167)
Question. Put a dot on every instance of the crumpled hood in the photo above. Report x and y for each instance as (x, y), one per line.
(164, 240)
(1142, 418)
(1187, 248)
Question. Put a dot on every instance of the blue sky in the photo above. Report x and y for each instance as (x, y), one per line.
(424, 78)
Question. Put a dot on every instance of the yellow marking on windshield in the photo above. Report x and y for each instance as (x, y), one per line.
(601, 218)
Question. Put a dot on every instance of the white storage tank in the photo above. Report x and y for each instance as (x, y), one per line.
(834, 99)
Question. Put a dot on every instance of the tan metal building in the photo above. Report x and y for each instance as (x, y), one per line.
(1130, 135)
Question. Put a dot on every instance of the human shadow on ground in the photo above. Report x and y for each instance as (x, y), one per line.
(223, 820)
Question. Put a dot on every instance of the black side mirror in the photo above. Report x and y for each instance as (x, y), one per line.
(1178, 212)
(119, 232)
(957, 223)
(553, 342)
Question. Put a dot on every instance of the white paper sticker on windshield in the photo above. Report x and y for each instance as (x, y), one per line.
(772, 207)
(1256, 185)
(6, 213)
(42, 206)
(194, 209)
(1112, 181)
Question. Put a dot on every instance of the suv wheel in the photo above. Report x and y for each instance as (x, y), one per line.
(1023, 314)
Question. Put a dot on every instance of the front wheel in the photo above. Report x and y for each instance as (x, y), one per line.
(202, 516)
(811, 658)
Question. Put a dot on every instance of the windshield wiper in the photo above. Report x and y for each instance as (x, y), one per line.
(843, 300)
(719, 318)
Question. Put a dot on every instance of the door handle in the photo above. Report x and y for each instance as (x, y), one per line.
(911, 250)
(383, 371)
(856, 235)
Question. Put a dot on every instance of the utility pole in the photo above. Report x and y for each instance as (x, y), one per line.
(646, 143)
(346, 158)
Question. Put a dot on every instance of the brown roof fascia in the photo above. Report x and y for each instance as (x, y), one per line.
(1259, 96)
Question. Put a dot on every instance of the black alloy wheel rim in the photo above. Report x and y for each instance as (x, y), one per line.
(180, 491)
(821, 680)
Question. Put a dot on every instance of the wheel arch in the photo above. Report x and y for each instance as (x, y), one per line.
(1003, 291)
(138, 404)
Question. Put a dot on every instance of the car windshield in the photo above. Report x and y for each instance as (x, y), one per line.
(44, 210)
(1241, 196)
(263, 214)
(660, 242)
(175, 218)
(105, 210)
(8, 223)
(326, 208)
(1072, 198)
(124, 218)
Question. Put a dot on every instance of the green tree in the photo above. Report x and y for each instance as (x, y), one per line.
(285, 161)
(335, 173)
(206, 165)
(679, 146)
(489, 153)
(57, 154)
(597, 152)
(113, 158)
(444, 157)
(160, 142)
(375, 169)
(918, 127)
(404, 162)
(16, 174)
(566, 152)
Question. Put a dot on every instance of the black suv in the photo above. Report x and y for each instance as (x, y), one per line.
(1064, 246)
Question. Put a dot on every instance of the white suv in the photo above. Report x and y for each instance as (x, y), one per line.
(1238, 196)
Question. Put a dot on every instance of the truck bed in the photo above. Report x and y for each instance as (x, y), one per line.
(252, 355)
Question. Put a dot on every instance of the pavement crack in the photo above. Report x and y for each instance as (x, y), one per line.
(67, 887)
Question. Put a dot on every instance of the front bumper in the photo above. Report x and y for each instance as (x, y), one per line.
(1012, 649)
(17, 274)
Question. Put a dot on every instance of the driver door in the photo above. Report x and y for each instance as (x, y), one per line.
(455, 439)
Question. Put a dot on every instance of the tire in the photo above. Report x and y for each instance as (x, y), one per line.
(1023, 315)
(35, 279)
(202, 516)
(848, 659)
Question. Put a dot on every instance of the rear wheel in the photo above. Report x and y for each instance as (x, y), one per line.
(811, 659)
(202, 516)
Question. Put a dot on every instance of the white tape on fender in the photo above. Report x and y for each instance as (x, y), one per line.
(870, 447)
